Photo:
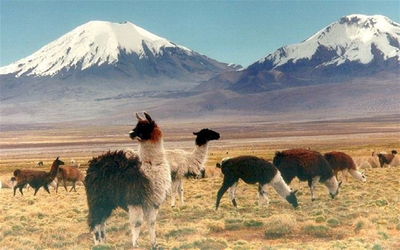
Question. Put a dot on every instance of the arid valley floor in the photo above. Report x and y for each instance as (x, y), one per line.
(363, 216)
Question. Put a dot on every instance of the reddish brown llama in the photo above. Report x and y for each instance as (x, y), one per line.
(71, 174)
(341, 162)
(36, 179)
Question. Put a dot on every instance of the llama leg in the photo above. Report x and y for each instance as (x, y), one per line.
(65, 185)
(263, 194)
(46, 188)
(312, 186)
(180, 192)
(18, 186)
(225, 185)
(36, 190)
(232, 190)
(174, 190)
(73, 187)
(151, 222)
(344, 174)
(136, 218)
(99, 235)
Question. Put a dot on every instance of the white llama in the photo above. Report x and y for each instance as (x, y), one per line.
(185, 163)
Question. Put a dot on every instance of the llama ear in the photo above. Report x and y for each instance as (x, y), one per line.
(148, 117)
(195, 133)
(138, 117)
(218, 165)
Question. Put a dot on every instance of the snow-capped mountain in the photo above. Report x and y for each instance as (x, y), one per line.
(108, 58)
(354, 46)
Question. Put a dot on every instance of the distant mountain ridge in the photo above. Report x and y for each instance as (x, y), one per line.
(355, 46)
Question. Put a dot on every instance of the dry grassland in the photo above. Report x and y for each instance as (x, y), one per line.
(363, 216)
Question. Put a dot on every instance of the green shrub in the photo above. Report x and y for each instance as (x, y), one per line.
(279, 226)
(206, 244)
(333, 222)
(318, 231)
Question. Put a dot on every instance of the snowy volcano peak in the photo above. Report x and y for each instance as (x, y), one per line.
(354, 38)
(93, 43)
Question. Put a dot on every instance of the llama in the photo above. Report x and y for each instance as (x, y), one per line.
(308, 166)
(36, 179)
(185, 164)
(387, 159)
(40, 164)
(341, 162)
(71, 174)
(253, 170)
(139, 184)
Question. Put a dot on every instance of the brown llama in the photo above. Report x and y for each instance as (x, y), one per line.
(386, 159)
(306, 165)
(71, 174)
(341, 162)
(36, 179)
(139, 184)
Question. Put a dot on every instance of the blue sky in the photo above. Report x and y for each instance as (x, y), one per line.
(229, 31)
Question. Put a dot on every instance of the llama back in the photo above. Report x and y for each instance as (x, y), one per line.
(116, 179)
(177, 160)
(340, 161)
(249, 167)
(71, 173)
(302, 163)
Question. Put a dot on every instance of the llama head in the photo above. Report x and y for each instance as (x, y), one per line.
(219, 165)
(363, 177)
(394, 152)
(292, 199)
(58, 162)
(205, 135)
(333, 187)
(145, 129)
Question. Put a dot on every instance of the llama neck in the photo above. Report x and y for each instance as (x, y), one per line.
(332, 185)
(280, 185)
(152, 152)
(357, 175)
(198, 156)
(54, 171)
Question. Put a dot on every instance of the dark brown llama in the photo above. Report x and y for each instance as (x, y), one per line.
(36, 179)
(253, 170)
(307, 165)
(71, 174)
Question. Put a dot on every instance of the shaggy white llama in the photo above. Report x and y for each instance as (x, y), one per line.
(138, 184)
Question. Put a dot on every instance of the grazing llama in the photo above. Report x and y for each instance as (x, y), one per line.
(253, 170)
(341, 162)
(186, 164)
(71, 174)
(139, 184)
(36, 179)
(387, 159)
(308, 166)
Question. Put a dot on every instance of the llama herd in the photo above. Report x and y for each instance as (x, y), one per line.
(140, 182)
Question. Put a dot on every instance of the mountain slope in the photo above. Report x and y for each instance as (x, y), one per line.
(355, 46)
(102, 58)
